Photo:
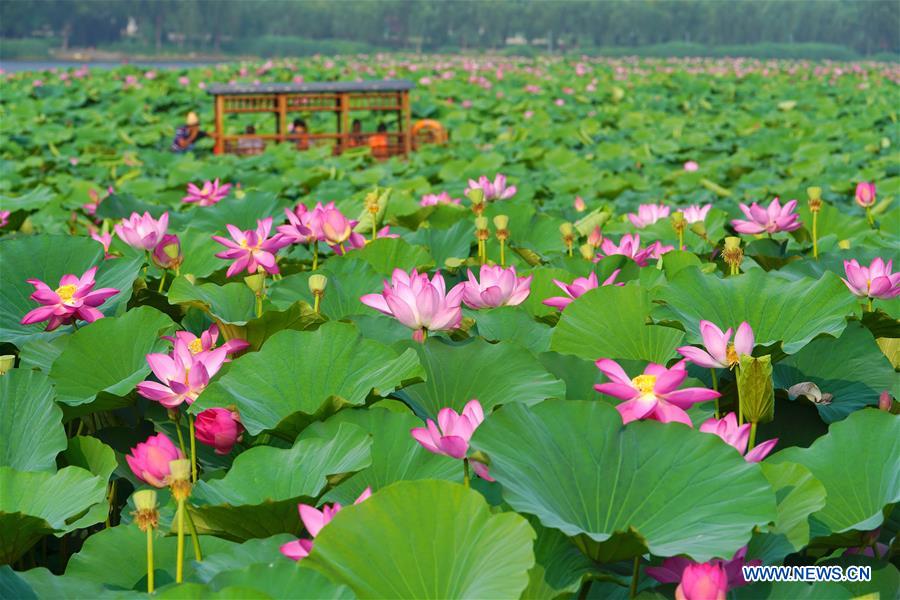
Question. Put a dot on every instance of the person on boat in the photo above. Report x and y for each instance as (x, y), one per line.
(250, 145)
(356, 137)
(301, 134)
(188, 134)
(379, 142)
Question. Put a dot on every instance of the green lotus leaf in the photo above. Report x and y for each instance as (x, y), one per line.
(377, 546)
(648, 486)
(109, 355)
(308, 372)
(799, 495)
(386, 254)
(612, 322)
(41, 583)
(443, 243)
(790, 311)
(232, 303)
(36, 198)
(283, 578)
(31, 430)
(858, 488)
(36, 504)
(91, 454)
(237, 557)
(511, 324)
(348, 280)
(492, 373)
(242, 213)
(559, 565)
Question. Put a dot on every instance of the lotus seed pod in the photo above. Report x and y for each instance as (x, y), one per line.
(501, 221)
(317, 283)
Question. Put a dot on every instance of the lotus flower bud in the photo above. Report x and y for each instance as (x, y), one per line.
(595, 237)
(146, 514)
(579, 204)
(885, 401)
(587, 251)
(167, 253)
(317, 283)
(865, 194)
(7, 361)
(256, 282)
(220, 428)
(755, 389)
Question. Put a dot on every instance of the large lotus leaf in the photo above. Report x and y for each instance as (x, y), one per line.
(612, 322)
(672, 489)
(851, 368)
(511, 324)
(36, 504)
(492, 373)
(199, 251)
(41, 583)
(792, 311)
(348, 279)
(425, 539)
(387, 254)
(799, 495)
(242, 213)
(109, 355)
(308, 372)
(794, 590)
(36, 198)
(559, 565)
(259, 494)
(858, 487)
(396, 455)
(283, 578)
(91, 454)
(231, 303)
(237, 557)
(444, 243)
(115, 557)
(31, 430)
(48, 258)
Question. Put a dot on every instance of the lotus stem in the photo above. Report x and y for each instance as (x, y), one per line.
(316, 299)
(180, 436)
(110, 498)
(681, 239)
(815, 235)
(870, 304)
(149, 559)
(341, 245)
(466, 472)
(374, 228)
(752, 441)
(162, 280)
(179, 556)
(502, 253)
(632, 592)
(869, 217)
(315, 255)
(193, 448)
(195, 539)
(715, 386)
(569, 248)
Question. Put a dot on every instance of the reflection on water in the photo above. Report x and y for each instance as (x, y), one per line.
(15, 66)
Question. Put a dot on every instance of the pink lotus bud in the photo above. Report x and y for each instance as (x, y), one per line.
(167, 254)
(149, 460)
(691, 166)
(702, 582)
(885, 401)
(579, 204)
(220, 428)
(865, 194)
(336, 227)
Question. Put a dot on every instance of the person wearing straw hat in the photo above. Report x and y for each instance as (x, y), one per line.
(187, 134)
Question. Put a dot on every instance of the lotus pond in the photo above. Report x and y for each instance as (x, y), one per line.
(633, 328)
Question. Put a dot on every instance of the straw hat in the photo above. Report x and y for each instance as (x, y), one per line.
(192, 119)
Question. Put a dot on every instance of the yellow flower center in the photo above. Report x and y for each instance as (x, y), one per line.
(731, 355)
(196, 346)
(66, 292)
(244, 244)
(644, 383)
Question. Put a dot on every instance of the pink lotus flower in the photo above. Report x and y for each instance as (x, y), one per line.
(71, 301)
(704, 581)
(182, 375)
(865, 194)
(653, 394)
(314, 520)
(184, 81)
(773, 219)
(142, 232)
(90, 208)
(673, 570)
(206, 343)
(435, 199)
(211, 193)
(737, 437)
(874, 281)
(358, 240)
(4, 217)
(498, 287)
(220, 428)
(579, 204)
(104, 239)
(167, 253)
(648, 214)
(493, 191)
(696, 213)
(720, 352)
(417, 303)
(577, 288)
(149, 460)
(335, 226)
(630, 246)
(299, 229)
(691, 166)
(251, 250)
(595, 237)
(452, 434)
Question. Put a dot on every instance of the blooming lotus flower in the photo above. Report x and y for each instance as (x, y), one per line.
(696, 213)
(874, 281)
(498, 287)
(104, 239)
(720, 352)
(865, 194)
(496, 190)
(577, 288)
(142, 231)
(4, 217)
(252, 250)
(773, 219)
(211, 193)
(672, 569)
(335, 226)
(149, 460)
(207, 342)
(653, 394)
(737, 437)
(299, 228)
(630, 246)
(418, 303)
(167, 253)
(182, 376)
(435, 199)
(358, 240)
(314, 520)
(74, 299)
(691, 166)
(220, 428)
(451, 435)
(648, 214)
